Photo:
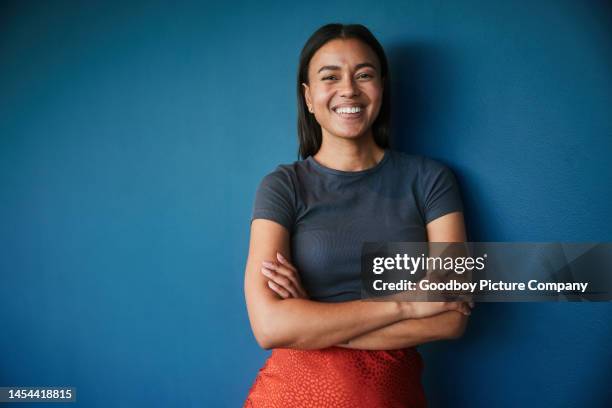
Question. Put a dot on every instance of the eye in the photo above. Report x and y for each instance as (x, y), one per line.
(329, 77)
(364, 75)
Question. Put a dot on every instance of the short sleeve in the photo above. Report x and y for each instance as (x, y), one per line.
(274, 199)
(440, 191)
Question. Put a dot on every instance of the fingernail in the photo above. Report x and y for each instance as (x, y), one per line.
(265, 272)
(280, 257)
(268, 264)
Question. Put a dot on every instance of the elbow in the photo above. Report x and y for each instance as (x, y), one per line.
(274, 328)
(269, 336)
(457, 326)
(264, 342)
(263, 326)
(264, 346)
(265, 337)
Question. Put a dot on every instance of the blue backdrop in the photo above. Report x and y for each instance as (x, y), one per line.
(132, 138)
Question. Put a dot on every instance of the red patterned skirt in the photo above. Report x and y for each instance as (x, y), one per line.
(338, 377)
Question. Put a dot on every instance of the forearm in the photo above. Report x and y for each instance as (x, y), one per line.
(306, 324)
(410, 332)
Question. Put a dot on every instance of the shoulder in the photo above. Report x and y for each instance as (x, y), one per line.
(284, 175)
(275, 197)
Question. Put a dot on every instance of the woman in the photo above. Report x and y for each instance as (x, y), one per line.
(302, 278)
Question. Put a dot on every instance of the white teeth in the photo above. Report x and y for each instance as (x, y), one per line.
(353, 109)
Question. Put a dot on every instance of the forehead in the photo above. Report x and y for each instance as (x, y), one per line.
(343, 52)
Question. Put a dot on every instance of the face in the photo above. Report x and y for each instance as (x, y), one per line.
(345, 88)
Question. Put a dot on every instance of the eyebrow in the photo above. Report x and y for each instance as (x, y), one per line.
(335, 67)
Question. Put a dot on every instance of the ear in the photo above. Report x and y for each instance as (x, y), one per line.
(307, 96)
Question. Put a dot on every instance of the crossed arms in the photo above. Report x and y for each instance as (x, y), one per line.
(297, 322)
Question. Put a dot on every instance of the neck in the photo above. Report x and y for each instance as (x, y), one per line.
(349, 154)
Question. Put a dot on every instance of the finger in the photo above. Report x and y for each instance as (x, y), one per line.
(280, 280)
(291, 273)
(459, 307)
(280, 294)
(285, 262)
(301, 292)
(285, 271)
(280, 291)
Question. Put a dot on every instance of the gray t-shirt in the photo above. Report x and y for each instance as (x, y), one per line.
(329, 214)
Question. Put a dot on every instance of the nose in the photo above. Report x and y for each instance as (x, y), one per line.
(348, 87)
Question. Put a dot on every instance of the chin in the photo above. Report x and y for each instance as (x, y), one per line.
(351, 135)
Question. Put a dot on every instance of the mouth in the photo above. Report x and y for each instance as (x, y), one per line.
(349, 112)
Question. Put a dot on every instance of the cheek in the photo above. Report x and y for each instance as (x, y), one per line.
(375, 94)
(322, 97)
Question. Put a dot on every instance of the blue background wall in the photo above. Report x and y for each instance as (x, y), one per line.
(132, 138)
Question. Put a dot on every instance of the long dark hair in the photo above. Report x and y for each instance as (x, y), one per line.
(309, 130)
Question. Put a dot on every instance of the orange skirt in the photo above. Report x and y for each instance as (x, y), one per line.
(339, 377)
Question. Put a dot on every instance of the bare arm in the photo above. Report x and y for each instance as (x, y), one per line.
(302, 323)
(412, 332)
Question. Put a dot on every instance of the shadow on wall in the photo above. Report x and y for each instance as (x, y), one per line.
(422, 93)
(425, 98)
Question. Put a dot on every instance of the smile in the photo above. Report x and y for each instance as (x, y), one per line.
(349, 112)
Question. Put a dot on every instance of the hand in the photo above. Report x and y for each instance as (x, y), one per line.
(283, 278)
(417, 310)
(422, 308)
(418, 303)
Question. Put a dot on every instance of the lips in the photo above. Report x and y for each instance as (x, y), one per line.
(349, 111)
(349, 115)
(347, 105)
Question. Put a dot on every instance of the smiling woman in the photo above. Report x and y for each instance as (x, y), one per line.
(342, 67)
(310, 219)
(345, 97)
